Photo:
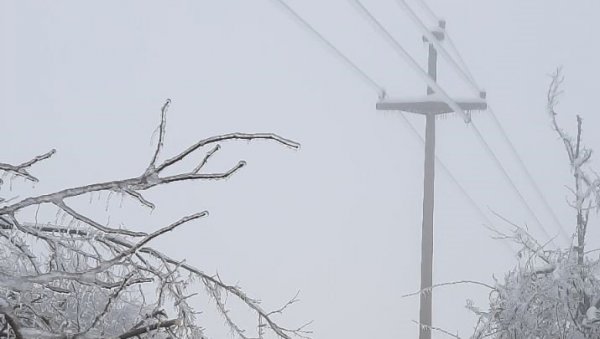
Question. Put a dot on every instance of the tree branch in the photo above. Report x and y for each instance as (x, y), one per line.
(20, 170)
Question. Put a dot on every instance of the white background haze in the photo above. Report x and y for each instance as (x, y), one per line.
(339, 219)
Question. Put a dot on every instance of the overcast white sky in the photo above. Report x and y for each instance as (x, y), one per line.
(339, 219)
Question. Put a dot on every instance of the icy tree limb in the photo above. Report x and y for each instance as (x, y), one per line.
(88, 256)
(21, 169)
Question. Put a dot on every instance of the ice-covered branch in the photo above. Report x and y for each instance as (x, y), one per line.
(21, 169)
(82, 279)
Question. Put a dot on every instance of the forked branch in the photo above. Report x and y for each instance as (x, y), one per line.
(84, 256)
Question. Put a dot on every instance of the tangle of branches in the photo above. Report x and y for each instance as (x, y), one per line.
(79, 278)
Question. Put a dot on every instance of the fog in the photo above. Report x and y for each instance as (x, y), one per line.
(339, 219)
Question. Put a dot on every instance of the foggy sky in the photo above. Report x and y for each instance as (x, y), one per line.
(339, 219)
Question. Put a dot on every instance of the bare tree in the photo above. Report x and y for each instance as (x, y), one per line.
(586, 194)
(78, 278)
(551, 293)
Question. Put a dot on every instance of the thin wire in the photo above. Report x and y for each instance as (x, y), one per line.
(436, 87)
(527, 173)
(462, 62)
(455, 181)
(464, 70)
(429, 11)
(509, 181)
(496, 122)
(438, 46)
(379, 89)
(362, 74)
(517, 156)
(435, 18)
(409, 59)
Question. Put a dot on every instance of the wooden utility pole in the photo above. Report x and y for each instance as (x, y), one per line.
(430, 106)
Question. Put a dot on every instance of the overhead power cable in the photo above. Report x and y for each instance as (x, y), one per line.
(528, 174)
(409, 59)
(429, 11)
(379, 89)
(461, 61)
(362, 74)
(438, 46)
(509, 181)
(453, 48)
(455, 181)
(451, 103)
(463, 69)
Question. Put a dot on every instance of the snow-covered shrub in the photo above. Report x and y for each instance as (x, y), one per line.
(551, 293)
(537, 299)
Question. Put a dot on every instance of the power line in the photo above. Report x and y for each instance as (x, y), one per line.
(462, 62)
(409, 59)
(508, 179)
(380, 89)
(464, 70)
(427, 9)
(438, 46)
(463, 65)
(455, 181)
(446, 98)
(362, 74)
(527, 173)
(458, 55)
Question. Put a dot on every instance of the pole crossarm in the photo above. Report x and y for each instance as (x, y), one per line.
(429, 104)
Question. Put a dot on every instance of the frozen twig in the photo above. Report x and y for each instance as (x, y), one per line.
(161, 132)
(21, 170)
(461, 282)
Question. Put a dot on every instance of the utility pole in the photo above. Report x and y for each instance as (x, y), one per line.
(430, 106)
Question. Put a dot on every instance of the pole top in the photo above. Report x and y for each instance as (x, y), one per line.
(438, 32)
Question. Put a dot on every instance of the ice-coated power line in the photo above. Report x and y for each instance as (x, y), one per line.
(516, 155)
(455, 181)
(463, 69)
(438, 46)
(435, 18)
(509, 181)
(463, 65)
(379, 88)
(362, 74)
(429, 11)
(461, 61)
(409, 59)
(450, 102)
(528, 174)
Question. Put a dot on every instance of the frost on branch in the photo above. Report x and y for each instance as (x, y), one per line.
(79, 278)
(552, 293)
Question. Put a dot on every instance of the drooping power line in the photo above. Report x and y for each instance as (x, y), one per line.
(427, 9)
(408, 58)
(509, 181)
(463, 69)
(455, 181)
(450, 102)
(365, 77)
(528, 174)
(438, 46)
(303, 23)
(461, 61)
